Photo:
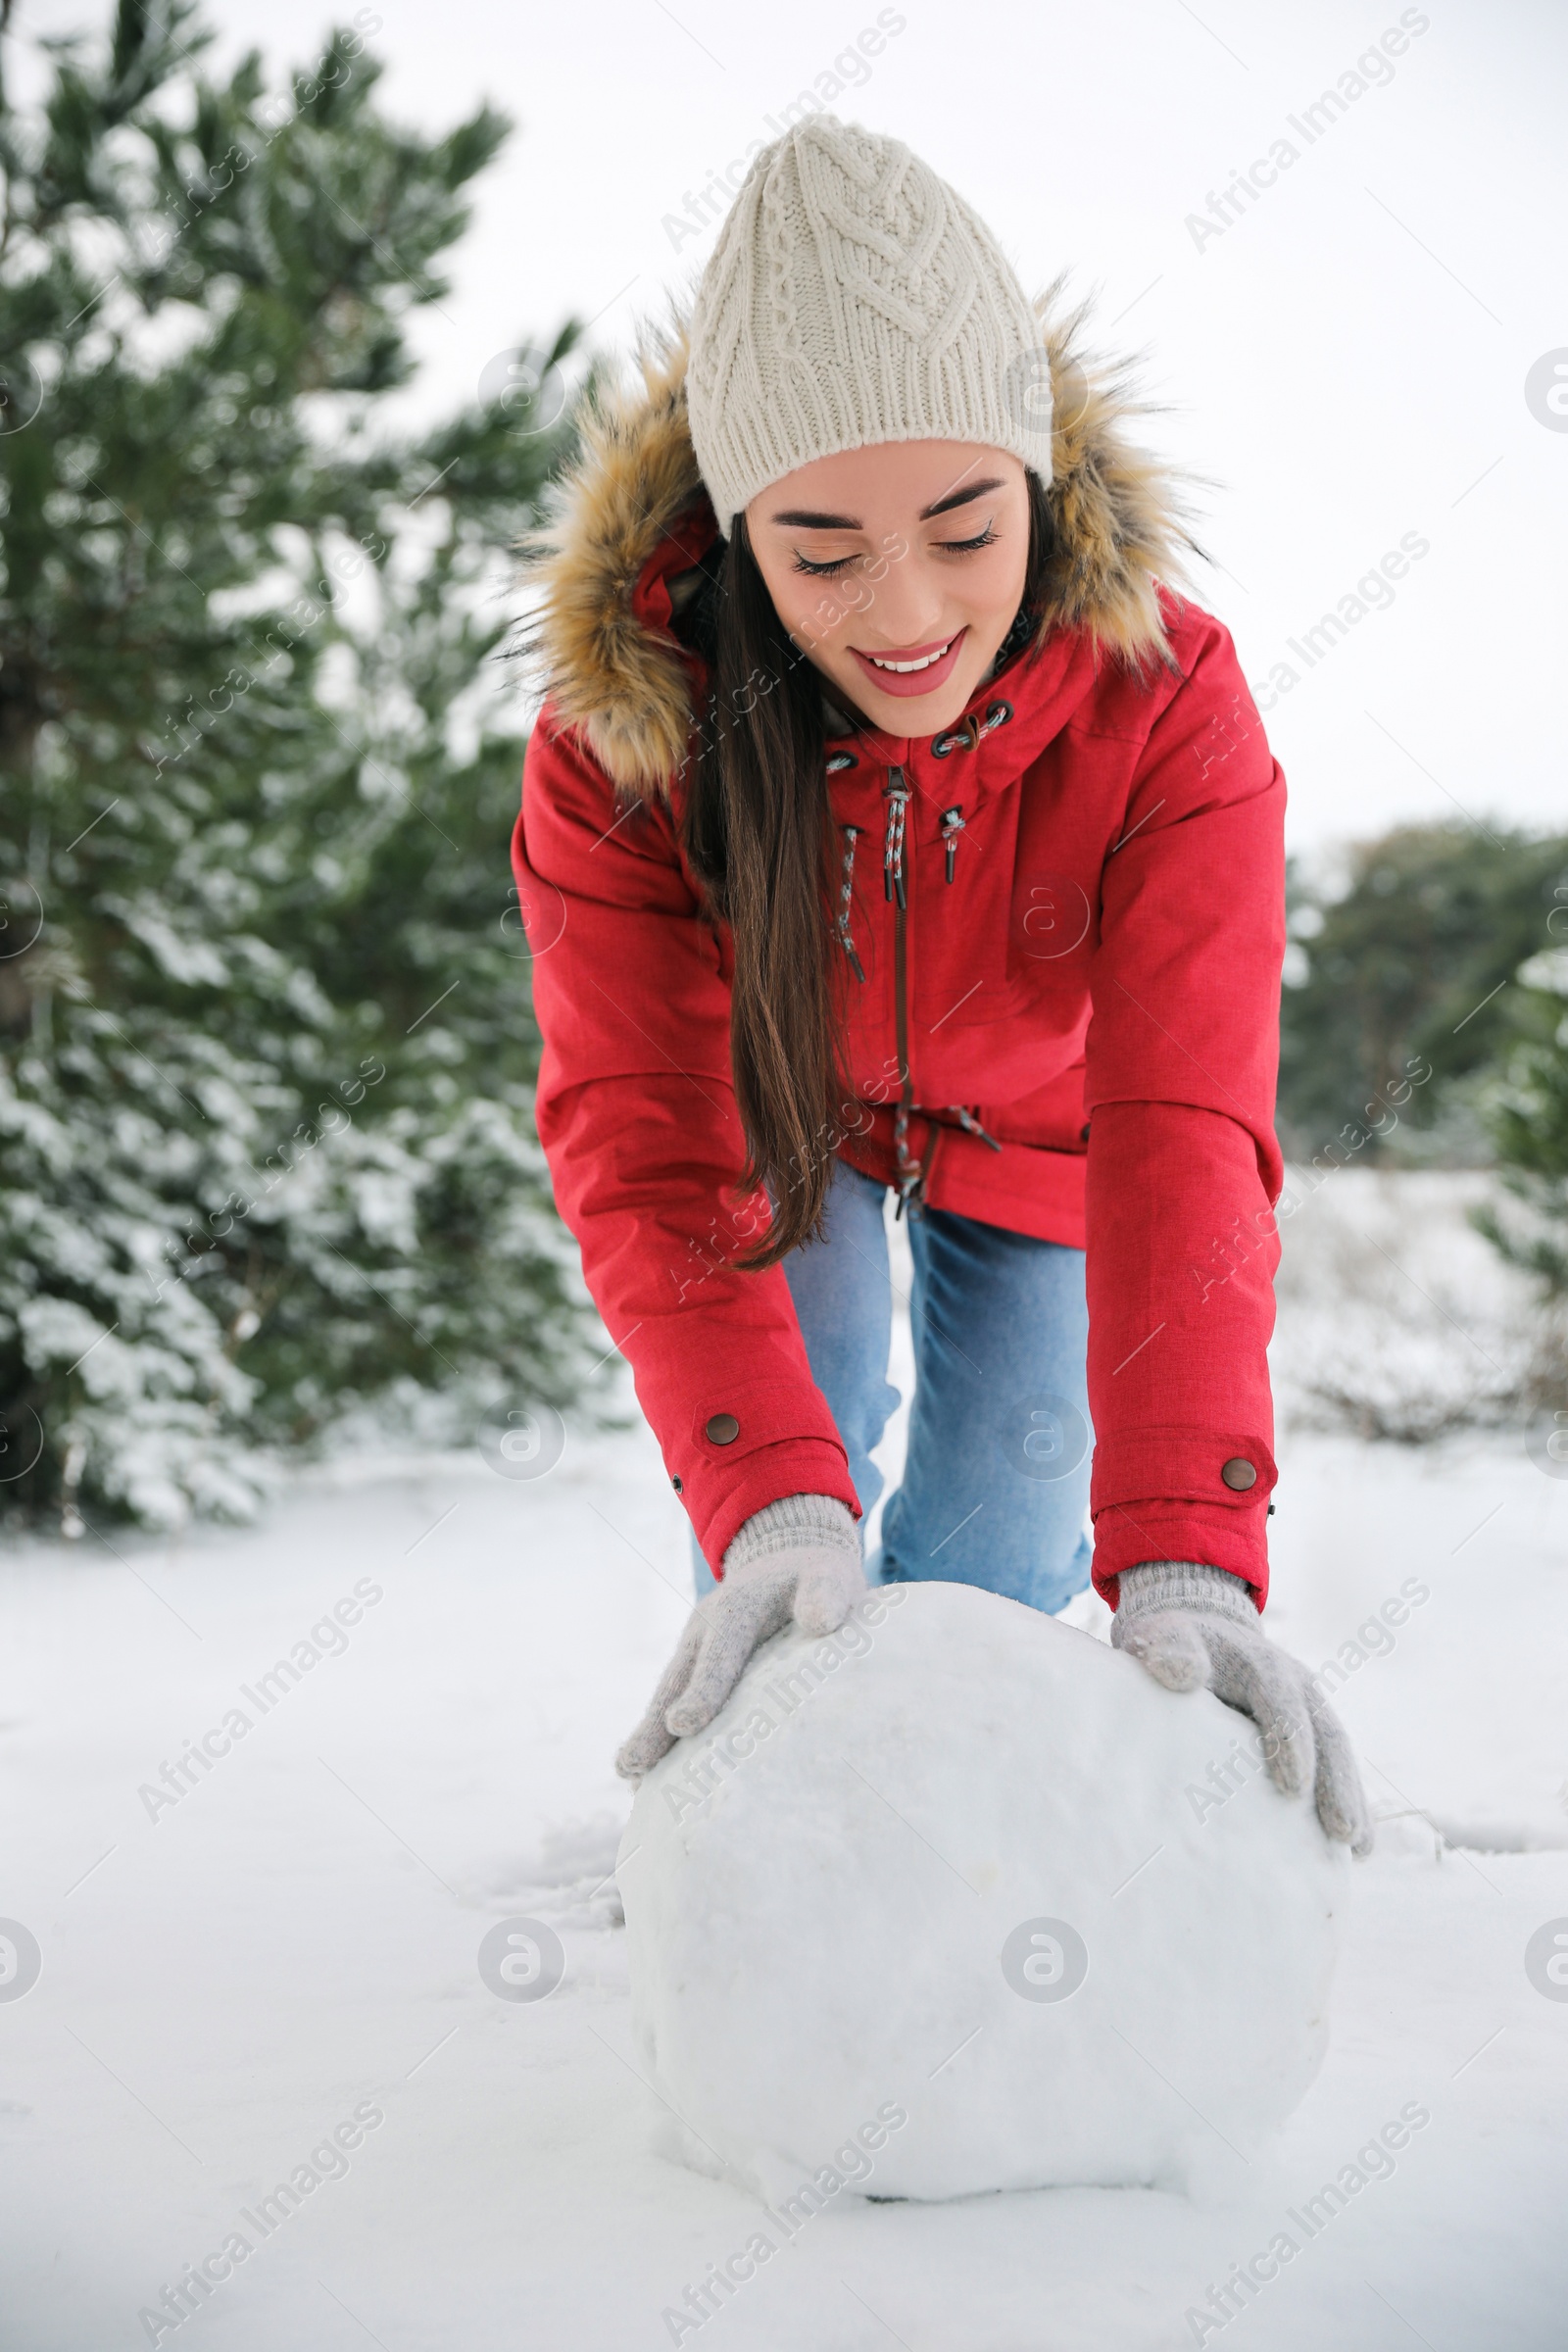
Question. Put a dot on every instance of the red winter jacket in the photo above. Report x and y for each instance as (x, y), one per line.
(1091, 970)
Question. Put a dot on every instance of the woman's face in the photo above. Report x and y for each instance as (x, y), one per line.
(898, 570)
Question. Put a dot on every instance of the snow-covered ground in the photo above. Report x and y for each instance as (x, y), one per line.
(1395, 1318)
(232, 1977)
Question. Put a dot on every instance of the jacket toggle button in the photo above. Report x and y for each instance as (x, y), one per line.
(723, 1430)
(1237, 1472)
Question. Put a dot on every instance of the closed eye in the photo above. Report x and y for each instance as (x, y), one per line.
(946, 547)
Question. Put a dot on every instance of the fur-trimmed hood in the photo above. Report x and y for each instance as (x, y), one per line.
(1120, 526)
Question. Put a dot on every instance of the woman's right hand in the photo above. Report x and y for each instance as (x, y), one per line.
(796, 1562)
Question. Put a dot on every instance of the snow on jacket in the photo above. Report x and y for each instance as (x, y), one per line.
(1093, 930)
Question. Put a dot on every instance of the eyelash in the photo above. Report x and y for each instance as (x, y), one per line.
(950, 547)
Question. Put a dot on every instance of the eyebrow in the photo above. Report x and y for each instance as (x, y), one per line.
(807, 518)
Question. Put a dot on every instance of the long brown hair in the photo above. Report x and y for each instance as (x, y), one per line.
(757, 830)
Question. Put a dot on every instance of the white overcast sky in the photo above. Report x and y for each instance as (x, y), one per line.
(1348, 360)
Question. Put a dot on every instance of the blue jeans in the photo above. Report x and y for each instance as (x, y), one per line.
(996, 1481)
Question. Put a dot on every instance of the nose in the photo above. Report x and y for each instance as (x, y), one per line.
(906, 606)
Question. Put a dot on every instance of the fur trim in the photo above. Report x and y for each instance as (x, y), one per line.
(1122, 517)
(1121, 525)
(634, 473)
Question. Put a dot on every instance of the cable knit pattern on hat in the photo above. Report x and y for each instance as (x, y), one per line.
(851, 298)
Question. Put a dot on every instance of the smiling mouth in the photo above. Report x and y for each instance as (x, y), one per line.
(902, 668)
(912, 669)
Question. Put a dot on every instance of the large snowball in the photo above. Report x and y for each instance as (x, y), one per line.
(959, 1899)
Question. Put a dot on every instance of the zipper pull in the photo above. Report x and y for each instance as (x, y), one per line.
(898, 795)
(952, 826)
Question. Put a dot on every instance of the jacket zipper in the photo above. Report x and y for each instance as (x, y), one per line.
(910, 1173)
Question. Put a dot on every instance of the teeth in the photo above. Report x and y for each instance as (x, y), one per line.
(903, 668)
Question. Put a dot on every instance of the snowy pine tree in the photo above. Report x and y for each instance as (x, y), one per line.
(266, 1052)
(1529, 1122)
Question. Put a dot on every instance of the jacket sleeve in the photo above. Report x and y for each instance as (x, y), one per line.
(1182, 1166)
(637, 1116)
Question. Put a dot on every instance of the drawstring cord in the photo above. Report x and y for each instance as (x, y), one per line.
(851, 834)
(898, 793)
(837, 761)
(910, 1171)
(966, 735)
(971, 1125)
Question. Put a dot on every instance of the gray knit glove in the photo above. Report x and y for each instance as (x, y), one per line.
(797, 1561)
(1196, 1628)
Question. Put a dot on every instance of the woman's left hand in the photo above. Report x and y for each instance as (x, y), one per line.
(1194, 1628)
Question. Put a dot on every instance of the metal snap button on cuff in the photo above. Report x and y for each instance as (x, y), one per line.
(723, 1430)
(1238, 1471)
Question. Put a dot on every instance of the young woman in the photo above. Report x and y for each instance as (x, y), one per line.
(891, 826)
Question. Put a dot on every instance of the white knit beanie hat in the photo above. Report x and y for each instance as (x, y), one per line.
(851, 298)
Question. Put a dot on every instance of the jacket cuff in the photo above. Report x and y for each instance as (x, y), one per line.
(745, 1443)
(1185, 1584)
(720, 1507)
(796, 1523)
(1128, 1536)
(1176, 1492)
(1229, 1471)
